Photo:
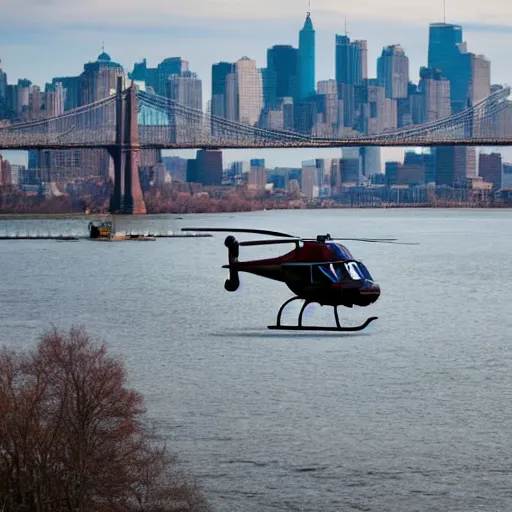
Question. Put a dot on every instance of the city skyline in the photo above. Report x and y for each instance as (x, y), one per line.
(413, 42)
(128, 41)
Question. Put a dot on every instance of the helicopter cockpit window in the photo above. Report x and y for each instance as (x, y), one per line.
(354, 271)
(328, 273)
(365, 271)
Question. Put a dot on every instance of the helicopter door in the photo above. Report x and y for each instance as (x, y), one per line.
(297, 273)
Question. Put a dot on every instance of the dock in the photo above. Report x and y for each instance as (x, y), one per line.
(39, 237)
(75, 238)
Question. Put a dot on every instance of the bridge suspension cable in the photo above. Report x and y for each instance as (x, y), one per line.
(165, 123)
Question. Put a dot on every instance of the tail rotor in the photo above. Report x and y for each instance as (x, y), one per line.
(233, 282)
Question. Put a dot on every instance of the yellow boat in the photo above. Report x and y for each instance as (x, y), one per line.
(102, 231)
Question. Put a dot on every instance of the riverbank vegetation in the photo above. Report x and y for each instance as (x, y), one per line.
(179, 197)
(74, 437)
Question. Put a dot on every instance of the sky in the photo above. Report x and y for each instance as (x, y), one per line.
(41, 39)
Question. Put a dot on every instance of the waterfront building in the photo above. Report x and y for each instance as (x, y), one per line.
(490, 168)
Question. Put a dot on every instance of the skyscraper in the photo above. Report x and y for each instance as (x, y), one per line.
(220, 72)
(454, 164)
(156, 78)
(442, 45)
(435, 91)
(490, 168)
(307, 59)
(448, 54)
(480, 78)
(249, 91)
(3, 90)
(186, 89)
(351, 60)
(54, 99)
(99, 79)
(393, 71)
(282, 80)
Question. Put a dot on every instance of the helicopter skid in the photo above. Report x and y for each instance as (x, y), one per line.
(300, 327)
(319, 328)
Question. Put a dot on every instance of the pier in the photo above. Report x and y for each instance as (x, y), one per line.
(73, 238)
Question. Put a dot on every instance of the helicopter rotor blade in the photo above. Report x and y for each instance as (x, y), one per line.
(378, 241)
(368, 239)
(270, 242)
(239, 230)
(371, 240)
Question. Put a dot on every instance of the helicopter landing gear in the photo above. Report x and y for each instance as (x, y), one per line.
(300, 327)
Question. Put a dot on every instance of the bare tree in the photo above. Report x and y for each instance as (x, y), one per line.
(73, 437)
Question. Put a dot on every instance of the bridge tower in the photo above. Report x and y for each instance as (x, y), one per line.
(127, 197)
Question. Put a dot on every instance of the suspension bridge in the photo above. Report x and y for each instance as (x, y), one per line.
(131, 120)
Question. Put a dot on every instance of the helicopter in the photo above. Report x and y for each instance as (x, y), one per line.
(317, 270)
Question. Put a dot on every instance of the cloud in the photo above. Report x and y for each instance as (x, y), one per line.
(171, 13)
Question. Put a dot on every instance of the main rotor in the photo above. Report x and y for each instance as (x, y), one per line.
(286, 238)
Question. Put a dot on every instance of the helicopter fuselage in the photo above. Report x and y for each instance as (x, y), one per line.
(316, 271)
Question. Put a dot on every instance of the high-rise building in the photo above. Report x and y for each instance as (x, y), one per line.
(382, 111)
(3, 91)
(231, 100)
(443, 42)
(176, 167)
(272, 118)
(157, 78)
(307, 59)
(426, 158)
(257, 176)
(506, 176)
(186, 89)
(490, 168)
(1, 171)
(34, 102)
(351, 60)
(435, 90)
(7, 177)
(71, 87)
(448, 54)
(99, 79)
(329, 102)
(405, 174)
(220, 72)
(309, 179)
(54, 101)
(282, 74)
(393, 71)
(480, 78)
(371, 160)
(209, 167)
(249, 91)
(454, 164)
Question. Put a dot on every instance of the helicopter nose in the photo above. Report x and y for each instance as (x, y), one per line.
(369, 293)
(370, 286)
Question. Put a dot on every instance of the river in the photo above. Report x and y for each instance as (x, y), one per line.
(412, 414)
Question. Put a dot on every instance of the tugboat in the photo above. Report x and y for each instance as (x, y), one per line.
(102, 231)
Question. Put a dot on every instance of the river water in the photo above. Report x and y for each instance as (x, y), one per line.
(413, 414)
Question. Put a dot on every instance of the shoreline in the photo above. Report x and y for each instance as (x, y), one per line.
(387, 206)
